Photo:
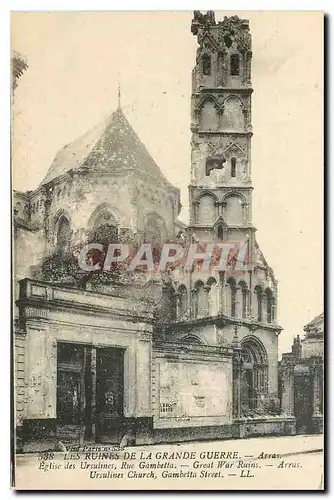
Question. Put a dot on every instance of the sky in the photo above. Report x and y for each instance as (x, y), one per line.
(78, 59)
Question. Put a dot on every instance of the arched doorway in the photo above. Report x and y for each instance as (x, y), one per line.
(254, 374)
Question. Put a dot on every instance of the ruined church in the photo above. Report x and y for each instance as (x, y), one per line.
(186, 355)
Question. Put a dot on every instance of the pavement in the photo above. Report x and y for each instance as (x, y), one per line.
(283, 445)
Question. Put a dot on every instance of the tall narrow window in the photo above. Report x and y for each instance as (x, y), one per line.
(182, 297)
(232, 302)
(269, 305)
(233, 167)
(235, 65)
(244, 303)
(220, 233)
(259, 294)
(206, 62)
(244, 296)
(63, 239)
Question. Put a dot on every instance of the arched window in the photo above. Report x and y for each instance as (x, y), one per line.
(102, 227)
(231, 297)
(269, 305)
(206, 209)
(244, 298)
(234, 212)
(213, 297)
(182, 301)
(192, 339)
(233, 116)
(63, 239)
(206, 64)
(259, 294)
(201, 301)
(233, 167)
(235, 65)
(169, 302)
(209, 116)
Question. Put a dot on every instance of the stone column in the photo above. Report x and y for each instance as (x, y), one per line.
(287, 387)
(196, 205)
(177, 304)
(237, 367)
(238, 303)
(207, 289)
(244, 212)
(223, 209)
(193, 299)
(248, 67)
(221, 288)
(316, 372)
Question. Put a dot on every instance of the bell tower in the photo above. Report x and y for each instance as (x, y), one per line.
(220, 191)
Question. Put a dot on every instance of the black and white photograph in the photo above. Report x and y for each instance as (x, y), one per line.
(167, 245)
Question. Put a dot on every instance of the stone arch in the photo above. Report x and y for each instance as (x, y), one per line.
(207, 207)
(234, 209)
(254, 373)
(103, 226)
(192, 339)
(209, 115)
(234, 194)
(207, 192)
(62, 232)
(103, 214)
(206, 98)
(233, 114)
(257, 349)
(201, 305)
(213, 296)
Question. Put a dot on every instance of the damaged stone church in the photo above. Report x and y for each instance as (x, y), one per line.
(179, 356)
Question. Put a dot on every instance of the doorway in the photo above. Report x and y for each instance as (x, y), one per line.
(89, 393)
(109, 395)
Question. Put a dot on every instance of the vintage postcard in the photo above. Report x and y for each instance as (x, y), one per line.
(168, 326)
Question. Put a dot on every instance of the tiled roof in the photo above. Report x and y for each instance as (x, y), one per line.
(112, 145)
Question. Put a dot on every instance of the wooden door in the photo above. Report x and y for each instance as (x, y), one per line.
(303, 404)
(109, 394)
(70, 392)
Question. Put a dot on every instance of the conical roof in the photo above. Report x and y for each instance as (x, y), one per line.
(113, 144)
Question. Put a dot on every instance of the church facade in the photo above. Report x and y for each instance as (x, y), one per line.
(181, 355)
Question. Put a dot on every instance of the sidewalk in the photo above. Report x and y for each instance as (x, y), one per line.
(281, 445)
